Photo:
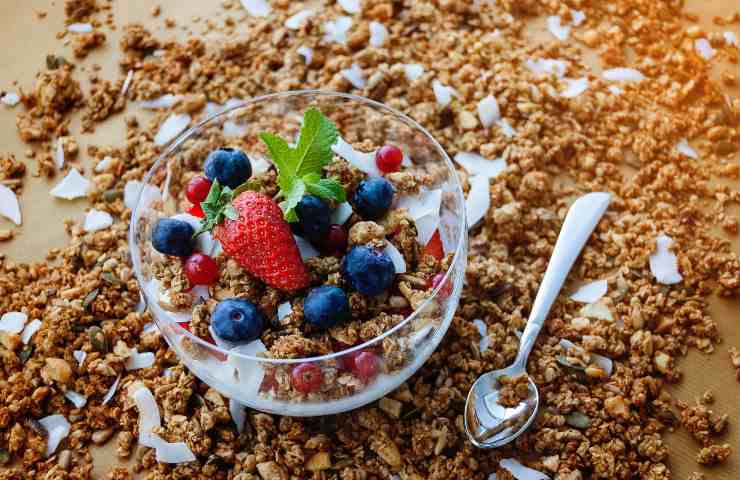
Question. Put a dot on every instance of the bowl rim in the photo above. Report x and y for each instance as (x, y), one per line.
(460, 248)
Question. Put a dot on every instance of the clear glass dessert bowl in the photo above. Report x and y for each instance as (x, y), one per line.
(247, 372)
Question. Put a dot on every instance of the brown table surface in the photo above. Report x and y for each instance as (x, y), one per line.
(26, 41)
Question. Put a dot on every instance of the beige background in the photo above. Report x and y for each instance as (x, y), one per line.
(26, 40)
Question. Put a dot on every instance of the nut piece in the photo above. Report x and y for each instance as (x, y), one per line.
(58, 370)
(271, 471)
(391, 407)
(318, 462)
(366, 232)
(385, 448)
(99, 437)
(11, 341)
(617, 407)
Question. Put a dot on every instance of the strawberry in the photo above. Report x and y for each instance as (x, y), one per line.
(434, 247)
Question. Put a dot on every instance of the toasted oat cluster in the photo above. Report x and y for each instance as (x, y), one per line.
(655, 135)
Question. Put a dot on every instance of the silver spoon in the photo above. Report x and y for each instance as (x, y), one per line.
(487, 423)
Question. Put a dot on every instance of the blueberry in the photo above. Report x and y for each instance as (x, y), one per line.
(368, 270)
(237, 320)
(173, 237)
(373, 197)
(313, 218)
(230, 166)
(326, 306)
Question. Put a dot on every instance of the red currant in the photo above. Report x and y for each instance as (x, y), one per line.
(336, 240)
(197, 189)
(201, 269)
(388, 158)
(434, 247)
(347, 361)
(367, 365)
(196, 211)
(307, 377)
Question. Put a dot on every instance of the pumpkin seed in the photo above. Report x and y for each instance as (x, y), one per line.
(111, 278)
(90, 297)
(4, 457)
(34, 425)
(26, 353)
(578, 420)
(97, 339)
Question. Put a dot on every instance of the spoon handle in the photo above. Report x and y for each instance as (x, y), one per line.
(579, 223)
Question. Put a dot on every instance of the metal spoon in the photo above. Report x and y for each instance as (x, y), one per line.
(487, 423)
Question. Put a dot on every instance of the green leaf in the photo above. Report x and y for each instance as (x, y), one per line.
(216, 207)
(280, 152)
(311, 178)
(328, 189)
(292, 197)
(313, 152)
(252, 184)
(214, 194)
(230, 212)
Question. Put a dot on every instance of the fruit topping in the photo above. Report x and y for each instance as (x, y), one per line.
(229, 166)
(197, 189)
(237, 320)
(307, 377)
(201, 269)
(368, 270)
(373, 197)
(389, 158)
(313, 219)
(326, 306)
(173, 237)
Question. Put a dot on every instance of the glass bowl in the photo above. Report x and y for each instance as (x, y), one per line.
(243, 373)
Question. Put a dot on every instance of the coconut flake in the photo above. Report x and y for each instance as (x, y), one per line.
(578, 17)
(413, 71)
(9, 206)
(77, 399)
(74, 185)
(238, 414)
(425, 228)
(294, 22)
(283, 310)
(574, 87)
(488, 111)
(305, 248)
(175, 124)
(336, 30)
(615, 90)
(13, 322)
(233, 129)
(479, 199)
(59, 154)
(483, 331)
(341, 214)
(520, 472)
(664, 263)
(79, 355)
(396, 257)
(57, 428)
(138, 360)
(112, 390)
(590, 292)
(354, 76)
(350, 6)
(598, 310)
(306, 53)
(131, 192)
(547, 66)
(623, 75)
(32, 327)
(80, 28)
(200, 292)
(731, 38)
(11, 99)
(684, 148)
(506, 129)
(443, 93)
(96, 220)
(103, 164)
(127, 83)
(605, 363)
(165, 101)
(257, 8)
(149, 417)
(475, 164)
(704, 48)
(171, 452)
(363, 161)
(426, 202)
(378, 34)
(250, 375)
(559, 31)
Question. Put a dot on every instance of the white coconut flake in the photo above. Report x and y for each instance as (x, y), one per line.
(704, 48)
(425, 228)
(138, 360)
(238, 414)
(355, 76)
(74, 185)
(103, 164)
(362, 160)
(475, 164)
(598, 310)
(79, 355)
(97, 220)
(149, 417)
(350, 6)
(131, 192)
(488, 111)
(249, 373)
(559, 31)
(77, 399)
(413, 71)
(336, 30)
(165, 101)
(578, 17)
(232, 129)
(112, 390)
(506, 129)
(378, 34)
(171, 452)
(341, 214)
(426, 202)
(175, 124)
(283, 310)
(295, 21)
(28, 331)
(684, 148)
(396, 257)
(574, 87)
(621, 74)
(615, 90)
(547, 66)
(305, 248)
(520, 472)
(731, 38)
(200, 292)
(257, 8)
(59, 154)
(483, 331)
(306, 53)
(443, 93)
(127, 83)
(13, 322)
(664, 263)
(9, 206)
(57, 428)
(11, 99)
(590, 292)
(605, 363)
(479, 199)
(80, 28)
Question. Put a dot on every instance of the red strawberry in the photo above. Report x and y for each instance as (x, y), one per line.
(434, 247)
(261, 242)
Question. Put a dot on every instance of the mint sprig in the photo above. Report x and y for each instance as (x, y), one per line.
(299, 168)
(216, 207)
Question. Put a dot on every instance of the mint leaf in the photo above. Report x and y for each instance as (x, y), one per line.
(311, 178)
(230, 212)
(216, 207)
(328, 189)
(292, 197)
(318, 134)
(280, 152)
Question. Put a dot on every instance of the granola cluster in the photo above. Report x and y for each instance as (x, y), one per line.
(621, 137)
